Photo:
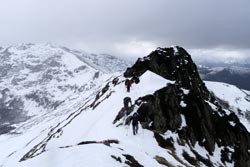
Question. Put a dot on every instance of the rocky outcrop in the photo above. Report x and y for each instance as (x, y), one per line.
(173, 64)
(189, 101)
(161, 111)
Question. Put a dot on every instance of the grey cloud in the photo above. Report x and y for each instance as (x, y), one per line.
(102, 24)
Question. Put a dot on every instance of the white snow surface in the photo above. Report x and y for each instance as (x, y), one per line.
(55, 138)
(42, 78)
(235, 97)
(51, 138)
(61, 134)
(90, 125)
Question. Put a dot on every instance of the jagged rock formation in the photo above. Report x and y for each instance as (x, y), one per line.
(170, 63)
(189, 101)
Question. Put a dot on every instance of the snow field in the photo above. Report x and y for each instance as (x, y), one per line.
(95, 125)
(235, 98)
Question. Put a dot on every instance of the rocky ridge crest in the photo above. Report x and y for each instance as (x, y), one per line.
(189, 110)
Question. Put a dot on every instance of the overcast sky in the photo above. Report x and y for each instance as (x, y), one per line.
(218, 28)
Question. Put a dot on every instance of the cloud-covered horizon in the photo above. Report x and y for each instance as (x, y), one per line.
(130, 28)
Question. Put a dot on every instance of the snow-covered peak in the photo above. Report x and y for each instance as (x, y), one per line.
(42, 77)
(102, 62)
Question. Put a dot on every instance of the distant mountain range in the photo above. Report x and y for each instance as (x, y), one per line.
(36, 79)
(236, 75)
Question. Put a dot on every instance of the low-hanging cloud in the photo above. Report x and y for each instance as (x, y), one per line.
(128, 28)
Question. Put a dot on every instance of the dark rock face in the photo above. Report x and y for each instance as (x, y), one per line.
(161, 110)
(189, 98)
(170, 63)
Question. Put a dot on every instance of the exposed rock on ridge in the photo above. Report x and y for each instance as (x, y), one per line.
(189, 101)
(171, 63)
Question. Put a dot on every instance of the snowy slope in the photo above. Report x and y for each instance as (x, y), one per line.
(91, 125)
(236, 98)
(88, 136)
(102, 62)
(82, 131)
(37, 79)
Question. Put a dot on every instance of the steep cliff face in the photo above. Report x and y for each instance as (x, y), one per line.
(189, 110)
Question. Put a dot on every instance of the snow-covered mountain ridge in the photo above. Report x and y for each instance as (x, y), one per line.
(37, 79)
(209, 121)
(184, 124)
(234, 99)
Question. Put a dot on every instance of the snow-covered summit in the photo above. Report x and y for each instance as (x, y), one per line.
(102, 62)
(38, 78)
